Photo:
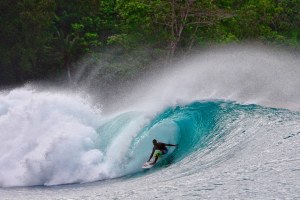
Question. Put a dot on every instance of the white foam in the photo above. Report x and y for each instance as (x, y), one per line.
(51, 138)
(44, 138)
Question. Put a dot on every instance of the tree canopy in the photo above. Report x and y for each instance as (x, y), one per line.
(42, 38)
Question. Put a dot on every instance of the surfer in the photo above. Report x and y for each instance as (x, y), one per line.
(159, 149)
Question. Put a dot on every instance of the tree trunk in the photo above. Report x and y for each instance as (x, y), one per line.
(178, 26)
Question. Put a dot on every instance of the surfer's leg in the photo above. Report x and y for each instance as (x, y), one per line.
(156, 157)
(157, 154)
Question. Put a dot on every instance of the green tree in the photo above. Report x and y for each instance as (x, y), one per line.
(35, 22)
(288, 22)
(78, 32)
(9, 42)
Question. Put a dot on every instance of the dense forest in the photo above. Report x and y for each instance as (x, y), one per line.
(41, 39)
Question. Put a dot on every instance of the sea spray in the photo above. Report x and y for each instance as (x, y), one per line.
(243, 73)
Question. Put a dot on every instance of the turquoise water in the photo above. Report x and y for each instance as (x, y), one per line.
(204, 125)
(234, 115)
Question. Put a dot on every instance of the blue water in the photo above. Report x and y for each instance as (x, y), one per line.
(238, 135)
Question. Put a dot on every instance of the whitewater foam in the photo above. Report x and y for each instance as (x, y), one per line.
(45, 137)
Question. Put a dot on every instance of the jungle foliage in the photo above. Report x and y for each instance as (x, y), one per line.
(43, 38)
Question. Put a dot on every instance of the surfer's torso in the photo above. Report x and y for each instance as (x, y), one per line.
(160, 146)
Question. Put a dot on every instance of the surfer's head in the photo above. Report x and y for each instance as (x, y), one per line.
(154, 141)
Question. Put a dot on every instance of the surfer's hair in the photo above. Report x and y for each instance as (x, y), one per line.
(154, 141)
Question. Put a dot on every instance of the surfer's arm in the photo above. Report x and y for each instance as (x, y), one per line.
(174, 145)
(151, 154)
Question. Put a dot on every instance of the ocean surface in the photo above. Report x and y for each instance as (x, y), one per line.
(234, 113)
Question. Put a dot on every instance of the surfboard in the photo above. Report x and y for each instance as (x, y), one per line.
(147, 165)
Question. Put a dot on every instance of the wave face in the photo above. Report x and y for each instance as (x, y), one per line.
(234, 113)
(51, 139)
